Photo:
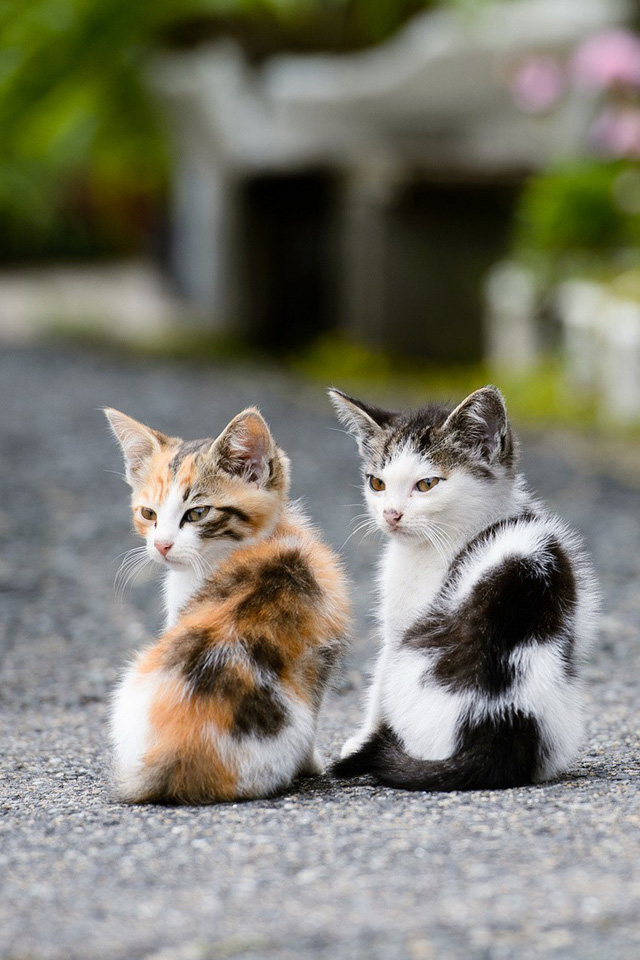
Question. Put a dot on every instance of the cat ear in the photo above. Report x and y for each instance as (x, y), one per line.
(362, 420)
(245, 447)
(138, 442)
(481, 422)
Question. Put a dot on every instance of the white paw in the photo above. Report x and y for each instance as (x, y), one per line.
(354, 743)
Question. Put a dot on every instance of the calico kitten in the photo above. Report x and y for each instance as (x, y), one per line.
(487, 606)
(225, 704)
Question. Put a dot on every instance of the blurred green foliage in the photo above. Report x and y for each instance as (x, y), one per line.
(580, 216)
(83, 152)
(539, 395)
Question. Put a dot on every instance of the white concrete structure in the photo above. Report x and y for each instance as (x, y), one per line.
(434, 97)
(128, 301)
(511, 330)
(601, 334)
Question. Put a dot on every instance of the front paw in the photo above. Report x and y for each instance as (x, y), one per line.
(353, 744)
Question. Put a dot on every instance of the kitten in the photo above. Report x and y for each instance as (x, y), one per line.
(225, 704)
(487, 606)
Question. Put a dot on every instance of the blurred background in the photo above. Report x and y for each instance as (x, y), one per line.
(425, 192)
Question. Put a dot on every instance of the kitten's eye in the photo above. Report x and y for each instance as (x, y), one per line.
(376, 484)
(427, 484)
(148, 513)
(195, 514)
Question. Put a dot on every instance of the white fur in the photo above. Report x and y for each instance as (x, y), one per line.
(179, 587)
(265, 765)
(425, 715)
(555, 702)
(130, 728)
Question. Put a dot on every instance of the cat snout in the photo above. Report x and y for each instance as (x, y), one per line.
(163, 546)
(393, 517)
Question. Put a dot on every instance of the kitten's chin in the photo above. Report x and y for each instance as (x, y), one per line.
(396, 533)
(172, 563)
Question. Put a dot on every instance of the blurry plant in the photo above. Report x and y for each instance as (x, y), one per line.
(608, 64)
(608, 60)
(537, 396)
(538, 83)
(584, 215)
(83, 155)
(587, 206)
(78, 134)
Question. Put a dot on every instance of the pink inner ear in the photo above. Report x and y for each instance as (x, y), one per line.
(250, 448)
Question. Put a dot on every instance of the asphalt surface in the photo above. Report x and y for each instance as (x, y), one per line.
(328, 871)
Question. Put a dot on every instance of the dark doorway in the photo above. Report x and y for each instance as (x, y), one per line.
(288, 282)
(442, 238)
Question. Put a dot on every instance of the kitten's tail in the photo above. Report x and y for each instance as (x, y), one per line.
(492, 755)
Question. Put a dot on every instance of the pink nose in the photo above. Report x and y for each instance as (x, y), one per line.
(393, 517)
(162, 547)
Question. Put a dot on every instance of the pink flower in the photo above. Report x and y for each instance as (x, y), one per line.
(607, 59)
(537, 84)
(616, 132)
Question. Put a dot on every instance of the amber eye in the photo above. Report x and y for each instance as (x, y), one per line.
(148, 513)
(376, 484)
(427, 484)
(195, 514)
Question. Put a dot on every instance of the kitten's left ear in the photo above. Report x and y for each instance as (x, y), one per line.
(245, 447)
(362, 420)
(138, 442)
(481, 422)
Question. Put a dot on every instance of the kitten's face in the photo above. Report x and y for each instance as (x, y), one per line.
(193, 502)
(408, 493)
(428, 474)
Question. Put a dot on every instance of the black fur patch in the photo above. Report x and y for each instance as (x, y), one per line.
(259, 712)
(492, 754)
(524, 600)
(276, 583)
(218, 528)
(414, 429)
(222, 586)
(266, 655)
(186, 449)
(205, 674)
(234, 512)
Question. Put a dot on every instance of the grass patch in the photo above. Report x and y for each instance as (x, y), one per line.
(536, 397)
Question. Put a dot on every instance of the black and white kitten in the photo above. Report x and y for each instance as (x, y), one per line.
(487, 606)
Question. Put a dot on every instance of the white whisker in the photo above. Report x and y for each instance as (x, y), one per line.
(368, 525)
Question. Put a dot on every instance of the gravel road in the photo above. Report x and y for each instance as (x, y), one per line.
(342, 873)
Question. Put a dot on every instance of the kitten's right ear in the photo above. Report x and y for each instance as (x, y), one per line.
(138, 442)
(245, 447)
(362, 420)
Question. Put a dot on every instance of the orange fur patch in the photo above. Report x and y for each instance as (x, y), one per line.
(184, 758)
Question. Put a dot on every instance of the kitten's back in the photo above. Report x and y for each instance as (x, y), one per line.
(502, 642)
(233, 690)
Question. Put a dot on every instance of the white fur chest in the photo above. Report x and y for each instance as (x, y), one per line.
(179, 587)
(410, 576)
